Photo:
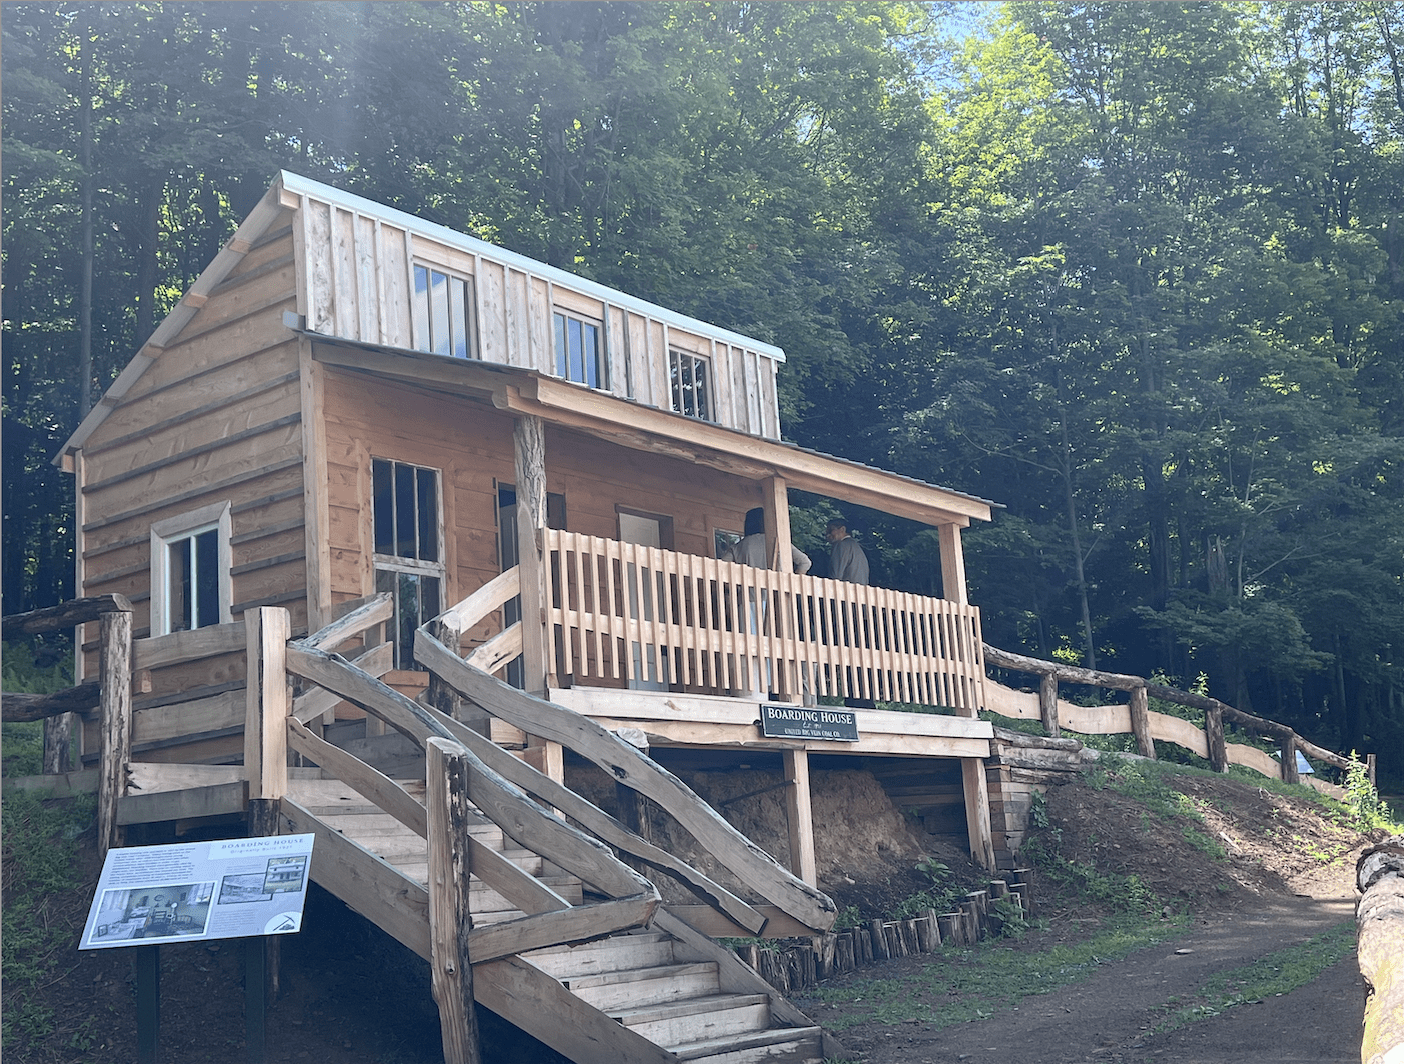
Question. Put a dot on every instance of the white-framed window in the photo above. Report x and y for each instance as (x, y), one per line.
(190, 564)
(579, 352)
(409, 557)
(691, 377)
(443, 313)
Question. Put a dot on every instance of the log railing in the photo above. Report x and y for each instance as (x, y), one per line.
(1137, 719)
(436, 648)
(629, 611)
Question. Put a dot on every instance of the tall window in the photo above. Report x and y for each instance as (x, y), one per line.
(408, 559)
(443, 323)
(578, 351)
(190, 559)
(691, 390)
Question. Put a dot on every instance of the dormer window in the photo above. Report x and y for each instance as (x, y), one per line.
(443, 323)
(579, 351)
(691, 381)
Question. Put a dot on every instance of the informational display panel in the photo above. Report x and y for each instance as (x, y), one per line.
(226, 888)
(780, 721)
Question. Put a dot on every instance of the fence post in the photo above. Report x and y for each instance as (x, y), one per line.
(1289, 759)
(1048, 703)
(115, 708)
(446, 805)
(1214, 735)
(1140, 722)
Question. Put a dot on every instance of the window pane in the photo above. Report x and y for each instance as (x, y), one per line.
(404, 512)
(178, 586)
(675, 372)
(590, 354)
(421, 308)
(428, 516)
(458, 305)
(384, 506)
(562, 362)
(577, 367)
(439, 313)
(206, 581)
(704, 406)
(408, 620)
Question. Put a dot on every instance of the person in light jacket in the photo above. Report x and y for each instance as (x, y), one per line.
(750, 548)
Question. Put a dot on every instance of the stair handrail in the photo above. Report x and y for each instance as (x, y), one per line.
(622, 761)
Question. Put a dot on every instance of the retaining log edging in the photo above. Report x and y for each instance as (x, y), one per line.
(1379, 920)
(798, 964)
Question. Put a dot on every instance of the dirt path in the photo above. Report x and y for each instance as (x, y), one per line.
(1110, 1017)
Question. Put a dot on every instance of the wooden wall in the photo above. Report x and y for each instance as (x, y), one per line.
(360, 285)
(471, 443)
(216, 418)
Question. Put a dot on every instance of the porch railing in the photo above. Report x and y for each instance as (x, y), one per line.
(624, 611)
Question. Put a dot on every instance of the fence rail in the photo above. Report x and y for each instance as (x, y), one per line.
(629, 611)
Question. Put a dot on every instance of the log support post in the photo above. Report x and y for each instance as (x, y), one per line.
(115, 707)
(1140, 722)
(1214, 736)
(446, 807)
(801, 816)
(529, 450)
(977, 811)
(952, 564)
(1048, 703)
(267, 703)
(775, 500)
(1289, 759)
(58, 742)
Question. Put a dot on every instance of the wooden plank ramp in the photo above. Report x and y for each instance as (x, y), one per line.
(649, 995)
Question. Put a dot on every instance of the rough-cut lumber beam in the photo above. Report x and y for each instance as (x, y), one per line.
(953, 585)
(486, 599)
(498, 650)
(450, 921)
(267, 702)
(800, 816)
(580, 923)
(20, 706)
(747, 861)
(382, 791)
(64, 615)
(366, 613)
(977, 811)
(115, 743)
(1379, 918)
(182, 647)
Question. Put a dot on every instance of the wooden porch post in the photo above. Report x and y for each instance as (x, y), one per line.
(801, 816)
(1214, 738)
(1048, 703)
(775, 498)
(1289, 759)
(952, 565)
(266, 706)
(977, 810)
(529, 448)
(446, 807)
(115, 706)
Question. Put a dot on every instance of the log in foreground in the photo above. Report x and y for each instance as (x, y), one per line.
(21, 707)
(1379, 919)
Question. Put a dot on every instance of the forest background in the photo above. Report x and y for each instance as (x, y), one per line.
(1131, 269)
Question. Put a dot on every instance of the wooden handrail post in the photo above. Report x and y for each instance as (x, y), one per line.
(446, 808)
(1048, 703)
(1214, 738)
(267, 702)
(800, 814)
(1140, 722)
(115, 705)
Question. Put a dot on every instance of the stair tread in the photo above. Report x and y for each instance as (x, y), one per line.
(613, 941)
(748, 1040)
(631, 975)
(689, 1007)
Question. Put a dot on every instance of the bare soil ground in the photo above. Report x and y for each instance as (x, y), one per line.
(1258, 872)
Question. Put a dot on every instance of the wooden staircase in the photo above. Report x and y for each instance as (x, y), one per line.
(664, 994)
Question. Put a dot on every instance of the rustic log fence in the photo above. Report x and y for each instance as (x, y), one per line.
(1136, 718)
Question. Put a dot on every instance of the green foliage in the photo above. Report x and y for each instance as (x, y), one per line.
(941, 895)
(1367, 810)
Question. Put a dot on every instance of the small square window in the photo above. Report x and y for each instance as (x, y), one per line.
(691, 381)
(443, 321)
(579, 353)
(190, 563)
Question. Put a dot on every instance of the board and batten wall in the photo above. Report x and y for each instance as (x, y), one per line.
(358, 268)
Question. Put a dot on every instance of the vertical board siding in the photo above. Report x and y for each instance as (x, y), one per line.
(368, 296)
(321, 316)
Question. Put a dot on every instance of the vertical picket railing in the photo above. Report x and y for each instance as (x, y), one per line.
(626, 611)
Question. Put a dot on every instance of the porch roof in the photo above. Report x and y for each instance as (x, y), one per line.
(646, 428)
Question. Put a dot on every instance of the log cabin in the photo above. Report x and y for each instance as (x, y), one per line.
(523, 481)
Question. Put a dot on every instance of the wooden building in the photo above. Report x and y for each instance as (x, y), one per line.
(351, 400)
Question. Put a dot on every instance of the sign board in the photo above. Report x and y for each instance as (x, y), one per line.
(194, 891)
(779, 721)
